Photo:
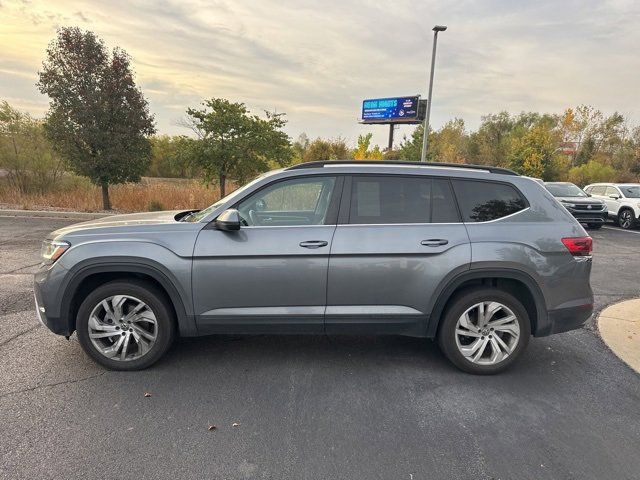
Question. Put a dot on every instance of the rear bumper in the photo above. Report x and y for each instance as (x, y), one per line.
(565, 319)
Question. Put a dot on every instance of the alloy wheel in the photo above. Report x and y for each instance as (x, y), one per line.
(487, 333)
(625, 219)
(122, 328)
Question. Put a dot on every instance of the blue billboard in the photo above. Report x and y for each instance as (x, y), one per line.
(391, 110)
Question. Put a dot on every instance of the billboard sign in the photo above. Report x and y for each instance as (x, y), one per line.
(391, 110)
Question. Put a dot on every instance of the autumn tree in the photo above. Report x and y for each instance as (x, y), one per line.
(364, 151)
(233, 143)
(98, 119)
(327, 149)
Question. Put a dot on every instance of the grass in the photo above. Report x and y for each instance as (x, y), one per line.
(152, 194)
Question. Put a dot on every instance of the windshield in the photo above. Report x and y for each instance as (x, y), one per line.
(197, 216)
(631, 191)
(565, 190)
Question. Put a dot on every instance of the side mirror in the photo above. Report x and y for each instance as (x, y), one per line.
(229, 220)
(614, 196)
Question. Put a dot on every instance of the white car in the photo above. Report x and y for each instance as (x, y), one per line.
(622, 199)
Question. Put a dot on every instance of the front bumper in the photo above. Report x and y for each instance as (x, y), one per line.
(590, 216)
(47, 314)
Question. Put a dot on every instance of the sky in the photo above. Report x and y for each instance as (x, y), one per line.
(317, 60)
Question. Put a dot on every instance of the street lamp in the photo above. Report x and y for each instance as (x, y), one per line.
(425, 136)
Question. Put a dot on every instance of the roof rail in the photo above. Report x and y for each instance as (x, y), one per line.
(320, 164)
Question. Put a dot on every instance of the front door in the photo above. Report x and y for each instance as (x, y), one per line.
(401, 236)
(271, 275)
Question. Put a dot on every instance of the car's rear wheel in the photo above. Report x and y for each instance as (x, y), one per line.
(125, 325)
(484, 330)
(625, 218)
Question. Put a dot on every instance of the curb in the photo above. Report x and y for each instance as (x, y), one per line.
(619, 327)
(52, 214)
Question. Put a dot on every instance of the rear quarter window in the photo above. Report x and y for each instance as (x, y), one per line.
(482, 201)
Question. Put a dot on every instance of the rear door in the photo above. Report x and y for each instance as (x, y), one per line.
(398, 237)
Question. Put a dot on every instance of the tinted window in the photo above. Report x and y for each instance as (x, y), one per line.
(631, 191)
(299, 201)
(396, 199)
(484, 201)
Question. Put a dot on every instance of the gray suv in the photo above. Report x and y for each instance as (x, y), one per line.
(477, 257)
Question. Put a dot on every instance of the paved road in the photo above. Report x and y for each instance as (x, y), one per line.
(313, 407)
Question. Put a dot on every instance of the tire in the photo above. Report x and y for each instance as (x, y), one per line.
(625, 218)
(594, 226)
(143, 341)
(451, 342)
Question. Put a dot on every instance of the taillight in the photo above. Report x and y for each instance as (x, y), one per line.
(579, 246)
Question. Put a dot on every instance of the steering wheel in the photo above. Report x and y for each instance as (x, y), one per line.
(254, 217)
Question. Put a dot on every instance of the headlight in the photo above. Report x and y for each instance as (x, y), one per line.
(53, 249)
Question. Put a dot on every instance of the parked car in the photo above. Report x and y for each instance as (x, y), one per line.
(590, 211)
(477, 257)
(622, 199)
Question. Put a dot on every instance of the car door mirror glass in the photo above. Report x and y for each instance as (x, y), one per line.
(614, 196)
(229, 220)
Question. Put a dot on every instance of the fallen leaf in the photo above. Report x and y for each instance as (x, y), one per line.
(147, 394)
(236, 425)
(212, 427)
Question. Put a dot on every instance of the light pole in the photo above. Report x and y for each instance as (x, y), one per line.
(425, 136)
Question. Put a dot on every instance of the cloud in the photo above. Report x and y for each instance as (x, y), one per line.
(318, 60)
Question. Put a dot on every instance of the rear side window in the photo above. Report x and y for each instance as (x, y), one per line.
(397, 199)
(482, 201)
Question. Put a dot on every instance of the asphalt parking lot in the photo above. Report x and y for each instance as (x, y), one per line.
(313, 407)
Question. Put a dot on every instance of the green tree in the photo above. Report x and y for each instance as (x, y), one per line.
(232, 143)
(592, 172)
(533, 152)
(450, 144)
(171, 156)
(411, 147)
(25, 152)
(98, 119)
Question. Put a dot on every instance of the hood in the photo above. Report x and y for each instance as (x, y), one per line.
(580, 200)
(115, 221)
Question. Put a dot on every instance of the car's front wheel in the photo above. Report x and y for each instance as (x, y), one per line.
(625, 218)
(125, 325)
(484, 330)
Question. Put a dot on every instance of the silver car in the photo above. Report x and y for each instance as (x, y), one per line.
(476, 257)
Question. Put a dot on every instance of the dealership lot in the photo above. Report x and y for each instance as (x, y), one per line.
(313, 407)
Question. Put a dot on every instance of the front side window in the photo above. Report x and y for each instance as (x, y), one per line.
(597, 190)
(398, 199)
(295, 202)
(482, 201)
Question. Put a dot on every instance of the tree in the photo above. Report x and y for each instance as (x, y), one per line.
(362, 152)
(171, 157)
(533, 152)
(411, 148)
(232, 143)
(25, 152)
(98, 119)
(333, 149)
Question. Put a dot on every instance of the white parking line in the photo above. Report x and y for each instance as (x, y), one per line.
(621, 230)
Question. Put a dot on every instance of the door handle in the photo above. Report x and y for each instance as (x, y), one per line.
(314, 244)
(434, 242)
